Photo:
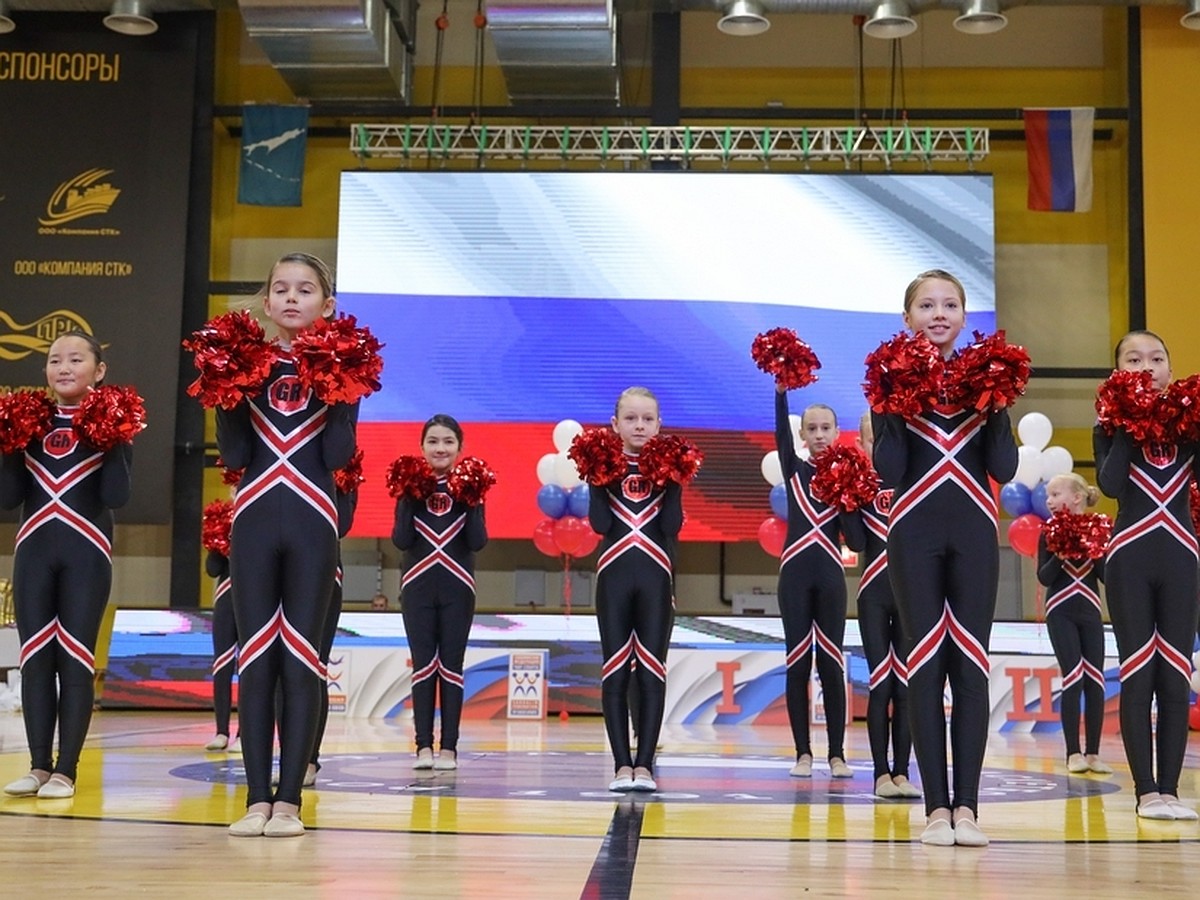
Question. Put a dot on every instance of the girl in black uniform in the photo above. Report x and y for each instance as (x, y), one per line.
(943, 559)
(1150, 573)
(224, 636)
(812, 586)
(62, 568)
(883, 645)
(440, 537)
(283, 549)
(1076, 630)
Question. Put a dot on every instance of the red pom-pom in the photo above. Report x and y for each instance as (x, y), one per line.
(988, 374)
(338, 360)
(781, 353)
(230, 477)
(25, 417)
(234, 360)
(1194, 497)
(668, 457)
(1179, 411)
(904, 375)
(1078, 535)
(469, 480)
(598, 456)
(1129, 400)
(108, 416)
(844, 478)
(411, 476)
(350, 476)
(216, 525)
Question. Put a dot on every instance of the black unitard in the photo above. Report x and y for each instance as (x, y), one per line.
(944, 564)
(1077, 635)
(883, 645)
(62, 572)
(224, 637)
(346, 504)
(639, 527)
(440, 537)
(1150, 573)
(812, 593)
(283, 555)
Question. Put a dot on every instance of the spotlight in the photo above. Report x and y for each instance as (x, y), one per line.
(131, 17)
(891, 19)
(982, 17)
(745, 18)
(6, 24)
(1191, 18)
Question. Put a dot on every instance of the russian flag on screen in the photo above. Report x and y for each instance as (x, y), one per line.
(1059, 144)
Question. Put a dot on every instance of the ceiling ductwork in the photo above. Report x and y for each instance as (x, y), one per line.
(556, 50)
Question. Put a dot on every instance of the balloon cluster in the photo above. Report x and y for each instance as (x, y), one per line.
(563, 498)
(773, 531)
(1024, 498)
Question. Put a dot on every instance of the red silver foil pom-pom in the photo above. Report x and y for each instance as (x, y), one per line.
(1129, 400)
(668, 457)
(598, 455)
(844, 478)
(411, 476)
(230, 477)
(988, 374)
(904, 375)
(25, 417)
(338, 360)
(1078, 535)
(216, 525)
(108, 416)
(1179, 411)
(781, 353)
(469, 480)
(234, 360)
(1194, 499)
(350, 476)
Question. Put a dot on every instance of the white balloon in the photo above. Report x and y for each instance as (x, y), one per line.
(1196, 662)
(546, 469)
(771, 468)
(1029, 466)
(1056, 461)
(1034, 430)
(1196, 682)
(565, 473)
(564, 433)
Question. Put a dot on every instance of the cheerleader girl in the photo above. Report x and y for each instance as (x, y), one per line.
(943, 560)
(1150, 573)
(440, 537)
(812, 586)
(883, 645)
(283, 549)
(639, 526)
(62, 568)
(224, 637)
(1076, 630)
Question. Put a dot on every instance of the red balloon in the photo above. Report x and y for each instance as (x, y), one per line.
(591, 541)
(771, 535)
(570, 534)
(543, 537)
(1023, 534)
(1194, 716)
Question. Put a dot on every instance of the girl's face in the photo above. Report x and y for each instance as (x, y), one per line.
(441, 448)
(295, 299)
(1062, 496)
(937, 311)
(636, 421)
(72, 369)
(1140, 352)
(866, 438)
(819, 430)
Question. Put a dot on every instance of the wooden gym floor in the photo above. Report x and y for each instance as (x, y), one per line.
(528, 815)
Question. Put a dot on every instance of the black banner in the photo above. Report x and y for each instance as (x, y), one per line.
(93, 211)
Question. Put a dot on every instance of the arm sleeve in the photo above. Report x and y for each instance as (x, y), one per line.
(115, 481)
(891, 447)
(599, 515)
(404, 532)
(854, 530)
(235, 436)
(339, 438)
(1001, 447)
(1114, 454)
(1098, 568)
(216, 565)
(14, 480)
(784, 442)
(1049, 565)
(671, 516)
(346, 505)
(476, 529)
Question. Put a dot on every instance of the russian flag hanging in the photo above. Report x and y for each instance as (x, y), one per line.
(1059, 145)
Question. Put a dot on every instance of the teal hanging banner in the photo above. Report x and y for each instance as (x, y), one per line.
(273, 144)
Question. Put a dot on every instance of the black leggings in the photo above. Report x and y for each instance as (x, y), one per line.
(887, 703)
(326, 648)
(1077, 636)
(224, 635)
(438, 609)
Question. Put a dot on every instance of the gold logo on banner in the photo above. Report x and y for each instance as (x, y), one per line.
(80, 196)
(18, 341)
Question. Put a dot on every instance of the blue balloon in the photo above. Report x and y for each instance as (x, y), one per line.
(552, 500)
(1015, 498)
(779, 504)
(1037, 500)
(577, 501)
